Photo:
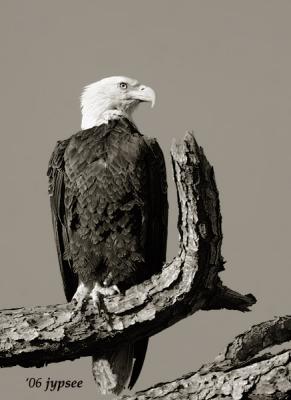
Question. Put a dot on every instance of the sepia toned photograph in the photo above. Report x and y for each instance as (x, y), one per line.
(145, 191)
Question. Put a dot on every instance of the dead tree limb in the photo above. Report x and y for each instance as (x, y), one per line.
(40, 335)
(242, 371)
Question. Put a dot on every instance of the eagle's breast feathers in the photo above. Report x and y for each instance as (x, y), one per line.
(108, 191)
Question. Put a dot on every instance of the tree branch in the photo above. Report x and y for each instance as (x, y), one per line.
(240, 372)
(40, 335)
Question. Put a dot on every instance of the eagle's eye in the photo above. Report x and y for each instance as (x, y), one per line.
(123, 85)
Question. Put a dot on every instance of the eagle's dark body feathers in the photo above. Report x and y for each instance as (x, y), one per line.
(109, 204)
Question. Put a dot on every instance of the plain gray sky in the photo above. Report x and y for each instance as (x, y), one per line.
(221, 68)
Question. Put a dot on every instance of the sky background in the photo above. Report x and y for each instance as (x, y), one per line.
(221, 68)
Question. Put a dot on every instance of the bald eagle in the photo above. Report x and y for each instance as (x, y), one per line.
(108, 195)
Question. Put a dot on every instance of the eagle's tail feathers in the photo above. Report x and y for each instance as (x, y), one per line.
(112, 371)
(140, 349)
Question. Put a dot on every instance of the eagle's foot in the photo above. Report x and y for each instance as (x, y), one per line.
(81, 296)
(110, 290)
(107, 284)
(99, 291)
(96, 300)
(108, 280)
(97, 295)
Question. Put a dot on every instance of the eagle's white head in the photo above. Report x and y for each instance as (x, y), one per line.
(112, 98)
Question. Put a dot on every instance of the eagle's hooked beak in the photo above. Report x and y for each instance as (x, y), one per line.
(145, 93)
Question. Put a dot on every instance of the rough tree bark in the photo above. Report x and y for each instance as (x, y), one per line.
(40, 335)
(242, 371)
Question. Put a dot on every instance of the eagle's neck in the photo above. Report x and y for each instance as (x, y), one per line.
(89, 121)
(102, 113)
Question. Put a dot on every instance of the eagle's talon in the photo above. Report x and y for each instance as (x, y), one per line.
(80, 298)
(95, 296)
(80, 304)
(116, 290)
(107, 281)
(109, 291)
